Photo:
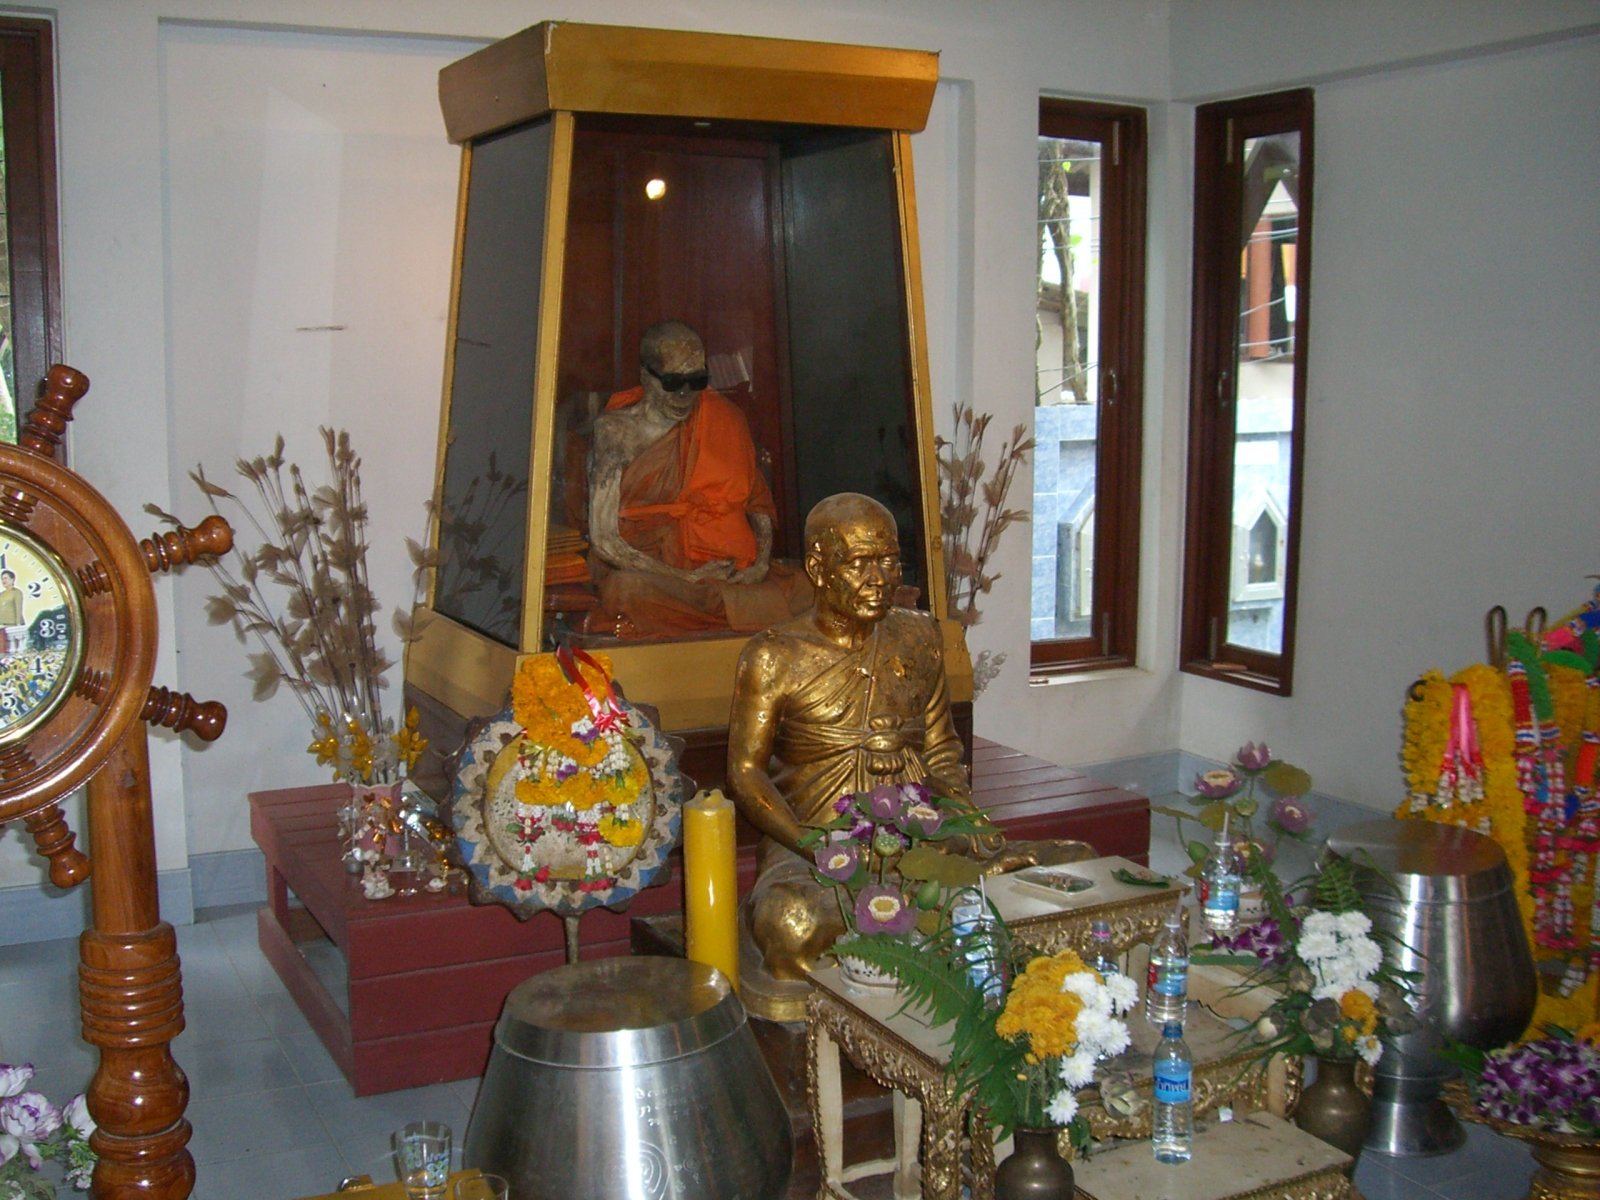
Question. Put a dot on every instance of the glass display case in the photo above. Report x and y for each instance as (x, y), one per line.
(755, 194)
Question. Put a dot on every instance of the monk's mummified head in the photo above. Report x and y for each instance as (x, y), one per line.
(670, 346)
(853, 556)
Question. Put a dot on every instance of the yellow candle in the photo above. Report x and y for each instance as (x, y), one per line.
(711, 883)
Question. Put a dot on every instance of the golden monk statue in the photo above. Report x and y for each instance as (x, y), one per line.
(849, 696)
(680, 516)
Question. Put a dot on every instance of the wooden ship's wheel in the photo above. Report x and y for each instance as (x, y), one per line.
(77, 651)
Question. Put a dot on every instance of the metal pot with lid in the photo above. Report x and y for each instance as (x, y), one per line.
(1444, 897)
(629, 1079)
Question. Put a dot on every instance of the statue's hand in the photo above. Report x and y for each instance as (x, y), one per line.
(1008, 859)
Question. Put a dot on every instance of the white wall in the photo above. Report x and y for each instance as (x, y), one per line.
(1453, 370)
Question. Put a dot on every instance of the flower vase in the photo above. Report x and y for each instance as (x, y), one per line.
(1035, 1170)
(1335, 1109)
(377, 809)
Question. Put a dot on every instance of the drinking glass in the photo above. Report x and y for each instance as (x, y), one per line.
(422, 1158)
(483, 1187)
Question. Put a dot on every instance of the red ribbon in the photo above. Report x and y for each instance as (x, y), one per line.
(605, 710)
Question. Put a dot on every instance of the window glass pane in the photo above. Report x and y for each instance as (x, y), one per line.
(1066, 420)
(1264, 367)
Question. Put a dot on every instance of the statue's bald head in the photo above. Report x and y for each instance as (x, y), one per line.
(828, 522)
(668, 345)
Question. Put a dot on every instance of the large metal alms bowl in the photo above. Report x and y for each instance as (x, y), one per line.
(629, 1079)
(1444, 897)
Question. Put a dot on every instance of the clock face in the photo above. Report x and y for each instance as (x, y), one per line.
(41, 633)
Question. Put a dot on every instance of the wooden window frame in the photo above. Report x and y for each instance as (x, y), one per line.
(27, 96)
(1112, 641)
(1220, 133)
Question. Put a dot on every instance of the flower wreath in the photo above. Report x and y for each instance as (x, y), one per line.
(569, 798)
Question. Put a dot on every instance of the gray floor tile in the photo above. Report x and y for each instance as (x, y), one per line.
(310, 1058)
(253, 1125)
(219, 1069)
(273, 1175)
(1377, 1183)
(280, 1015)
(362, 1127)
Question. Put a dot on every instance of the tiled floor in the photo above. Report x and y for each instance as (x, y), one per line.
(273, 1118)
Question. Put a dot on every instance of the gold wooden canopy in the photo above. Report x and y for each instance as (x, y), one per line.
(559, 65)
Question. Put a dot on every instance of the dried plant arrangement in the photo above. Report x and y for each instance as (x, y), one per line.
(973, 516)
(303, 595)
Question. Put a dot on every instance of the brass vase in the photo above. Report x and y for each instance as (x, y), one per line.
(1335, 1109)
(1035, 1170)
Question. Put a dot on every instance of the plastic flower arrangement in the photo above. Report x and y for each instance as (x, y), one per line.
(880, 855)
(1339, 998)
(1552, 1083)
(33, 1130)
(1237, 792)
(1024, 1050)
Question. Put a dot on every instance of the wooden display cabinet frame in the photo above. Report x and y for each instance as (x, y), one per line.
(455, 673)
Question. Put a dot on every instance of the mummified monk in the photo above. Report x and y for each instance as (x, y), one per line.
(680, 517)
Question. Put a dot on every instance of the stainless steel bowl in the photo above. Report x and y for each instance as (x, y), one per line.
(1444, 896)
(629, 1079)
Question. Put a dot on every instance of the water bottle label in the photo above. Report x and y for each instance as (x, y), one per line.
(1223, 899)
(1172, 980)
(1172, 1082)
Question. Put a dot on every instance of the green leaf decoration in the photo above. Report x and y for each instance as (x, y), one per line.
(950, 870)
(1176, 814)
(1287, 780)
(1590, 641)
(928, 922)
(1245, 806)
(1197, 851)
(1211, 815)
(1123, 875)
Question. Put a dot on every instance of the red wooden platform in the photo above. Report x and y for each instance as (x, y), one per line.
(409, 988)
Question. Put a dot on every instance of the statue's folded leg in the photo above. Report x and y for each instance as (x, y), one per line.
(793, 919)
(1042, 852)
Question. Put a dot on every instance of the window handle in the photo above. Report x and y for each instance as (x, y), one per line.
(1110, 376)
(1224, 392)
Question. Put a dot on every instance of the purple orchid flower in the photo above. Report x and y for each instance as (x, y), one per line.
(916, 793)
(1218, 784)
(839, 860)
(885, 802)
(881, 908)
(1290, 814)
(862, 830)
(1253, 756)
(29, 1118)
(843, 803)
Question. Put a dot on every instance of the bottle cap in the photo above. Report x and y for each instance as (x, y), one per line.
(1172, 1029)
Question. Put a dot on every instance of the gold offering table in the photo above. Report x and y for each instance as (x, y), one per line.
(876, 1033)
(1258, 1157)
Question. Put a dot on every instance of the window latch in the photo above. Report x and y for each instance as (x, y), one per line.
(1224, 392)
(1109, 374)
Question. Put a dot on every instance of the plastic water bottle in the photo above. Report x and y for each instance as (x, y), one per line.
(1172, 1126)
(1102, 957)
(972, 921)
(1219, 886)
(1166, 993)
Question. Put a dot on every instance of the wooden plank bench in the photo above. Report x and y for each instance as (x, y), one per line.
(406, 991)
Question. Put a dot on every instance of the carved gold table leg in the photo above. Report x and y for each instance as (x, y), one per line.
(941, 1148)
(907, 1133)
(826, 1094)
(132, 996)
(980, 1141)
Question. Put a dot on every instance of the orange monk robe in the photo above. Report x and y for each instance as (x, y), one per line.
(687, 500)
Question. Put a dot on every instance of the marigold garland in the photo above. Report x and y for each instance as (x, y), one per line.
(1425, 736)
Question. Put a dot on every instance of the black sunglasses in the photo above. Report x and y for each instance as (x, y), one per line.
(681, 381)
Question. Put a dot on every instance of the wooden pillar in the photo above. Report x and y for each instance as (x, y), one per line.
(131, 994)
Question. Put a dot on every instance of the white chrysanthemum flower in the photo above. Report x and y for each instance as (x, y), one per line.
(1319, 921)
(1365, 954)
(1354, 923)
(1116, 1040)
(1062, 1108)
(1093, 994)
(1124, 992)
(1370, 1049)
(1077, 1070)
(1317, 945)
(1092, 1029)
